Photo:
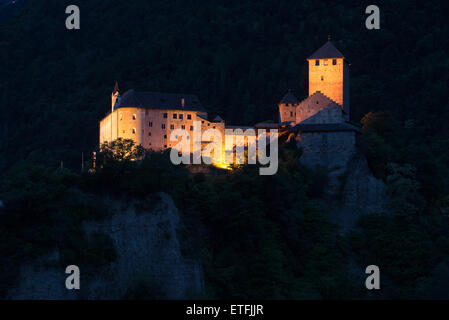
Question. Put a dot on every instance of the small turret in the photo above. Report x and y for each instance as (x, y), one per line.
(115, 96)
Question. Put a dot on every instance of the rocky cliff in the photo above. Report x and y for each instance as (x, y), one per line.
(147, 246)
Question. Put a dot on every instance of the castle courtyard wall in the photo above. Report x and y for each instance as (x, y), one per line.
(328, 149)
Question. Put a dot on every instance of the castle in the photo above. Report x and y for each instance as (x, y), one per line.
(320, 122)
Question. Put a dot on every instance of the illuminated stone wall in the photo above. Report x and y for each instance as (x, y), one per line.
(329, 79)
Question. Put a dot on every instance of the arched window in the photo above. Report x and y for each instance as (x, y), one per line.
(134, 130)
(134, 116)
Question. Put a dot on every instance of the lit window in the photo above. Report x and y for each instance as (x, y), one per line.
(134, 117)
(189, 117)
(325, 62)
(163, 126)
(317, 62)
(165, 115)
(175, 115)
(334, 62)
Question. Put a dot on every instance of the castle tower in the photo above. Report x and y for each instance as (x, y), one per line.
(287, 108)
(114, 96)
(329, 74)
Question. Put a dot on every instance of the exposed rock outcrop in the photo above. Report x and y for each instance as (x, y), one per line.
(147, 246)
(359, 193)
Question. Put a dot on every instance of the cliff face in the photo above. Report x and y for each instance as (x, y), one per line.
(147, 247)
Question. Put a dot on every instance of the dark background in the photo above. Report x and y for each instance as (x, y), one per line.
(268, 237)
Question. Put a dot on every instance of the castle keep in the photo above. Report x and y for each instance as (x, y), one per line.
(320, 123)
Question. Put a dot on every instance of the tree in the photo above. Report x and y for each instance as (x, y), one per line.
(120, 150)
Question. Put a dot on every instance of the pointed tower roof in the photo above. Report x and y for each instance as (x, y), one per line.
(115, 88)
(327, 51)
(289, 98)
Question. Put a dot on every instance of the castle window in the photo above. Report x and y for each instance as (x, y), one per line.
(175, 115)
(191, 128)
(134, 116)
(189, 116)
(163, 126)
(291, 114)
(188, 137)
(150, 124)
(180, 116)
(165, 115)
(325, 62)
(172, 126)
(121, 116)
(134, 130)
(322, 78)
(317, 62)
(183, 127)
(165, 136)
(334, 62)
(149, 134)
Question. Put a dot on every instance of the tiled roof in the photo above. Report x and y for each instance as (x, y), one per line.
(159, 100)
(266, 125)
(344, 126)
(289, 98)
(327, 51)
